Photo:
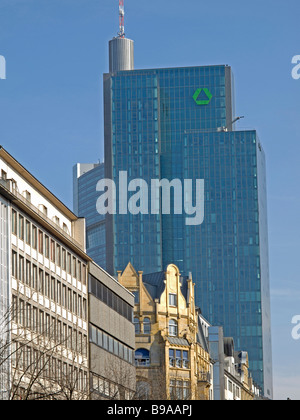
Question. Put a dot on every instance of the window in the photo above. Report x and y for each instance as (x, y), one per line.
(69, 263)
(52, 250)
(74, 268)
(179, 358)
(27, 195)
(64, 259)
(21, 312)
(21, 268)
(21, 227)
(28, 273)
(28, 233)
(41, 282)
(147, 326)
(84, 313)
(58, 255)
(41, 242)
(75, 303)
(185, 359)
(108, 343)
(46, 246)
(79, 271)
(179, 389)
(47, 285)
(83, 274)
(136, 326)
(79, 306)
(136, 297)
(172, 358)
(14, 222)
(66, 229)
(64, 296)
(43, 209)
(34, 237)
(69, 306)
(53, 288)
(58, 292)
(142, 357)
(109, 298)
(173, 328)
(172, 299)
(34, 277)
(14, 264)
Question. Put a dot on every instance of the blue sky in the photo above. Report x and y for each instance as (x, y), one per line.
(51, 113)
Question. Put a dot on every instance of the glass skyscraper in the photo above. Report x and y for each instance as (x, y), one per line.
(177, 123)
(85, 179)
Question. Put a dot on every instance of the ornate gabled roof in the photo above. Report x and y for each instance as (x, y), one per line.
(155, 284)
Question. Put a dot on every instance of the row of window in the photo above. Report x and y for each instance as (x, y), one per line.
(47, 285)
(172, 298)
(45, 245)
(35, 319)
(110, 390)
(179, 358)
(111, 299)
(231, 387)
(44, 366)
(106, 342)
(144, 327)
(180, 389)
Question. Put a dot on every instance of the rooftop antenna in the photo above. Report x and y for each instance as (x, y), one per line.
(121, 33)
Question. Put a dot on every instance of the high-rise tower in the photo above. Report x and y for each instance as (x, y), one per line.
(177, 123)
(121, 49)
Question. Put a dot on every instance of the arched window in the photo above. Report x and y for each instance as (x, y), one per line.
(173, 328)
(147, 326)
(142, 357)
(137, 329)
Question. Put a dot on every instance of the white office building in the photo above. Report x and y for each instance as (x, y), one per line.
(43, 291)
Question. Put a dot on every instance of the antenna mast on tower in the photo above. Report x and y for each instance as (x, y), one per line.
(121, 32)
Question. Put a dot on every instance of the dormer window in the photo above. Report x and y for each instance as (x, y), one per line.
(43, 209)
(66, 229)
(27, 195)
(14, 184)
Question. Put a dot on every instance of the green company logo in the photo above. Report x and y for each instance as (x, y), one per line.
(202, 101)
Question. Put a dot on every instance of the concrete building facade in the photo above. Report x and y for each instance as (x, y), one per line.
(112, 337)
(47, 350)
(43, 290)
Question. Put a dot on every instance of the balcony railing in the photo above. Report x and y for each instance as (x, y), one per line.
(204, 377)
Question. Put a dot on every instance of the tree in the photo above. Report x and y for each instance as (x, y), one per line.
(36, 360)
